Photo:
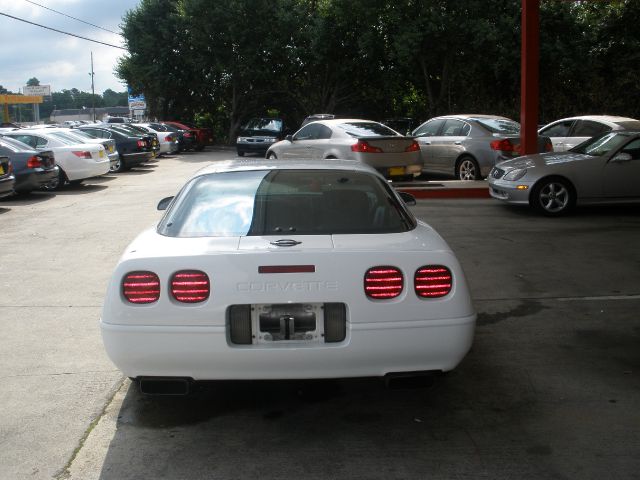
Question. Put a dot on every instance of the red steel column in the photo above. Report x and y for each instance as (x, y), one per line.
(529, 95)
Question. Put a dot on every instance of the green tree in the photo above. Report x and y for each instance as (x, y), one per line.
(33, 82)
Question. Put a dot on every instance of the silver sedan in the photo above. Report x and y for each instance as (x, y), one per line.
(392, 154)
(468, 146)
(604, 169)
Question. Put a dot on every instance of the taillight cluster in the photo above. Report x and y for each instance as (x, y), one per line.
(505, 145)
(34, 162)
(363, 146)
(81, 154)
(141, 144)
(386, 282)
(186, 286)
(414, 147)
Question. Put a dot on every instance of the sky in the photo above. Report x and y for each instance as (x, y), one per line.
(59, 60)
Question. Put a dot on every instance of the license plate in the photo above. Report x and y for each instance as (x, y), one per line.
(393, 171)
(110, 148)
(1, 170)
(101, 153)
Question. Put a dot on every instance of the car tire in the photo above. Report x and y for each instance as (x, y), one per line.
(76, 182)
(240, 154)
(118, 167)
(271, 156)
(553, 196)
(468, 169)
(57, 183)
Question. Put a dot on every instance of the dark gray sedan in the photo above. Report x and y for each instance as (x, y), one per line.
(32, 169)
(468, 146)
(604, 169)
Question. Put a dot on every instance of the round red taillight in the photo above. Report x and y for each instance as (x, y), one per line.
(383, 282)
(141, 287)
(433, 281)
(190, 286)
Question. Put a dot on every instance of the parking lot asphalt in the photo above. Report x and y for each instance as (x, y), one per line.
(550, 389)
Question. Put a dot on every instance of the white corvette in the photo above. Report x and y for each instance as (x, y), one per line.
(267, 269)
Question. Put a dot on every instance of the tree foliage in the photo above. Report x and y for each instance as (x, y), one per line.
(227, 61)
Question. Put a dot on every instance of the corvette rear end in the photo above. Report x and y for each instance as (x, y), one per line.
(379, 294)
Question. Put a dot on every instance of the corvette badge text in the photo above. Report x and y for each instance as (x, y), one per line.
(318, 286)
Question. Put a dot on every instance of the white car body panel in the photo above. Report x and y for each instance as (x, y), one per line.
(74, 167)
(567, 142)
(404, 334)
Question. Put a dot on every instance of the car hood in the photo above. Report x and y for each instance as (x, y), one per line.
(542, 160)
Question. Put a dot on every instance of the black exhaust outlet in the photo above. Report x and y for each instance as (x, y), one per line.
(164, 385)
(410, 380)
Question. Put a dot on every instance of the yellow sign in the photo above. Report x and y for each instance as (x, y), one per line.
(14, 99)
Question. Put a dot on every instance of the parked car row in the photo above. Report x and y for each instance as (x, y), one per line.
(465, 147)
(49, 157)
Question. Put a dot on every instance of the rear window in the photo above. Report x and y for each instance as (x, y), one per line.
(630, 124)
(367, 129)
(14, 145)
(499, 125)
(66, 137)
(281, 202)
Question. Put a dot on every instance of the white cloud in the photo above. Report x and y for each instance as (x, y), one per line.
(60, 60)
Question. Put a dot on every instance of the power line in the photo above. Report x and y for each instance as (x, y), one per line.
(60, 31)
(69, 16)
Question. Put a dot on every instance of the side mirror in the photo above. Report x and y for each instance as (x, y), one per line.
(622, 157)
(164, 203)
(407, 198)
(289, 138)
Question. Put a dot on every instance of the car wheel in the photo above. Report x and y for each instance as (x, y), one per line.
(57, 183)
(553, 196)
(272, 156)
(241, 154)
(117, 167)
(468, 169)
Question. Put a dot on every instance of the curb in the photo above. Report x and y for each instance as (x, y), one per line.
(445, 189)
(447, 192)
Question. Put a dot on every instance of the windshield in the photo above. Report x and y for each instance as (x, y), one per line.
(294, 202)
(602, 144)
(499, 125)
(367, 129)
(266, 124)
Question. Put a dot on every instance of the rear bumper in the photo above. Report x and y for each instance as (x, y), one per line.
(6, 185)
(370, 349)
(88, 168)
(132, 159)
(35, 179)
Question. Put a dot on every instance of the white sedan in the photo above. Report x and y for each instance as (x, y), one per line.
(285, 270)
(567, 133)
(393, 155)
(76, 160)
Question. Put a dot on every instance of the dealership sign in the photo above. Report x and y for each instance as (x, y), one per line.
(42, 90)
(136, 102)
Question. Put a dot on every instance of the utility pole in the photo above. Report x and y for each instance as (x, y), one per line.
(93, 94)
